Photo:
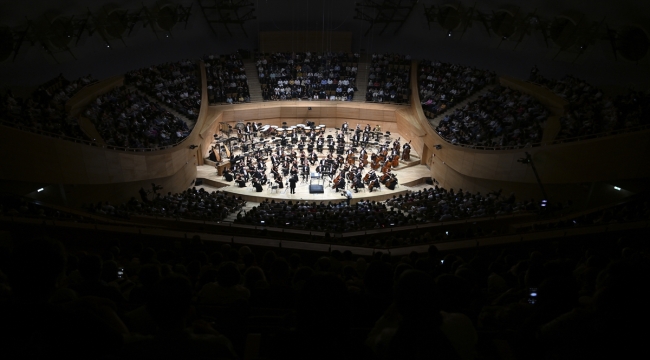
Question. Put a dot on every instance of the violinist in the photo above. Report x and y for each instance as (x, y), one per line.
(366, 138)
(340, 137)
(240, 181)
(247, 130)
(264, 180)
(313, 158)
(227, 174)
(355, 139)
(319, 144)
(257, 185)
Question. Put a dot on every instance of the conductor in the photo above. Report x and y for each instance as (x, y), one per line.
(292, 183)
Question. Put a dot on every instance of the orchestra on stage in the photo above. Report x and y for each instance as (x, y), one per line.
(351, 158)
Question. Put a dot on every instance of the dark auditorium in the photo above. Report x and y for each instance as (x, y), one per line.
(324, 179)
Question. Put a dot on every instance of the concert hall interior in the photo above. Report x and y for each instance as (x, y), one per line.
(264, 155)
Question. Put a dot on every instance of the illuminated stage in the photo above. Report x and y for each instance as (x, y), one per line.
(409, 173)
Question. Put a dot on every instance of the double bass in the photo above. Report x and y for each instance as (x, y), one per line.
(406, 154)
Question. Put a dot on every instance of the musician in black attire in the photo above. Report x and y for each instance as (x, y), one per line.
(305, 172)
(257, 185)
(227, 175)
(392, 181)
(241, 182)
(341, 184)
(292, 183)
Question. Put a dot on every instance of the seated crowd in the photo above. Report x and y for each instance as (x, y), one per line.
(137, 297)
(388, 78)
(443, 85)
(177, 85)
(438, 204)
(423, 206)
(190, 204)
(227, 81)
(499, 118)
(325, 76)
(45, 111)
(128, 119)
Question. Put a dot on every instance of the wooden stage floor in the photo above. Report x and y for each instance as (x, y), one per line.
(409, 174)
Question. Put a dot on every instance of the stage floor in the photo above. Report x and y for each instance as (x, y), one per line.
(409, 174)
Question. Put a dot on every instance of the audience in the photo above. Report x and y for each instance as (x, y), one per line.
(443, 85)
(128, 119)
(177, 85)
(227, 81)
(325, 76)
(44, 112)
(502, 117)
(190, 204)
(575, 297)
(388, 78)
(423, 206)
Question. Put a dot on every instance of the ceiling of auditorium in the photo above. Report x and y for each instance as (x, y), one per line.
(416, 37)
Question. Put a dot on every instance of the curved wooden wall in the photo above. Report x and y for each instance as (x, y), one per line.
(329, 113)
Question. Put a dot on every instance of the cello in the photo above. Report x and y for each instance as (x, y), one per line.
(336, 181)
(386, 167)
(395, 161)
(390, 183)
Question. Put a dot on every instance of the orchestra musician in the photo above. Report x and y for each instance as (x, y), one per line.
(344, 127)
(391, 182)
(313, 158)
(227, 175)
(240, 181)
(355, 139)
(406, 151)
(257, 185)
(319, 144)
